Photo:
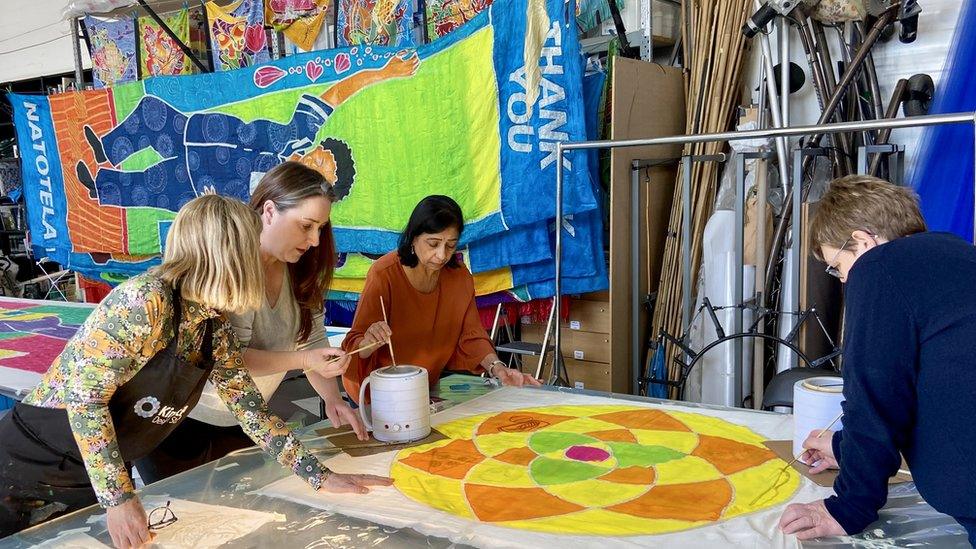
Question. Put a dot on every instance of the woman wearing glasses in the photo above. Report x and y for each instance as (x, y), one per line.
(285, 333)
(909, 372)
(133, 371)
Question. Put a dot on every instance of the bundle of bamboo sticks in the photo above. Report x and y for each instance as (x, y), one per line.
(714, 48)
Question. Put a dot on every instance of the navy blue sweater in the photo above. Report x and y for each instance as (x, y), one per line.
(909, 377)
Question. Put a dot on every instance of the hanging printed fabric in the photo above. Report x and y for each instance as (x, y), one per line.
(159, 54)
(113, 50)
(443, 16)
(375, 22)
(237, 34)
(299, 20)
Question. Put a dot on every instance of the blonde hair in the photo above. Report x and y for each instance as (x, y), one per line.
(866, 203)
(213, 254)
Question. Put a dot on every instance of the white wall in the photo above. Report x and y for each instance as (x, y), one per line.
(34, 41)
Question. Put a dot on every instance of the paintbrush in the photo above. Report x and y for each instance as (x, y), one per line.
(342, 356)
(383, 306)
(795, 459)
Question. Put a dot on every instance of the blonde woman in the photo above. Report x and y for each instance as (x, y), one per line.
(134, 370)
(286, 333)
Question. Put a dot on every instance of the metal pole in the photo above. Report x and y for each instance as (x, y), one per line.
(794, 304)
(558, 305)
(635, 271)
(774, 107)
(76, 46)
(686, 297)
(836, 127)
(737, 246)
(784, 69)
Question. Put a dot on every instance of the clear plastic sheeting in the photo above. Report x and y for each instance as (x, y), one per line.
(232, 481)
(77, 8)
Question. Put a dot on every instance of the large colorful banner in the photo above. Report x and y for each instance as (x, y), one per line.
(106, 170)
(112, 47)
(159, 54)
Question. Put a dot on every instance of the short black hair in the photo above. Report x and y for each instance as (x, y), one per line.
(432, 215)
(345, 166)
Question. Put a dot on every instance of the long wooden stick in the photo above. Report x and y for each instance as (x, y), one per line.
(794, 460)
(342, 356)
(383, 306)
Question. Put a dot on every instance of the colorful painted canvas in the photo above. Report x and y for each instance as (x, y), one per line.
(299, 20)
(113, 50)
(375, 22)
(386, 127)
(594, 470)
(237, 34)
(33, 334)
(159, 54)
(444, 16)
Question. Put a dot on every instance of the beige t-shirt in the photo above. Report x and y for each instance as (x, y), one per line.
(268, 329)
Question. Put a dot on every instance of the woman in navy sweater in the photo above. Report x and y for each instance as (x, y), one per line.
(909, 360)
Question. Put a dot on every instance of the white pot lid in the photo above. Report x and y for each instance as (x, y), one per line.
(398, 372)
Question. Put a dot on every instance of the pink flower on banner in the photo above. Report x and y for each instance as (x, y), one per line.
(313, 70)
(254, 38)
(265, 76)
(342, 63)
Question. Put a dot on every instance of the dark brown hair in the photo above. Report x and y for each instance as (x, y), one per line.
(287, 185)
(865, 203)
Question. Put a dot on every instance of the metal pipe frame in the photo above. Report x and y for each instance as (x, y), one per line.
(562, 148)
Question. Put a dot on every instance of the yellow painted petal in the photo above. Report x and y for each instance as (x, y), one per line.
(707, 425)
(596, 493)
(496, 473)
(496, 443)
(682, 442)
(770, 477)
(686, 470)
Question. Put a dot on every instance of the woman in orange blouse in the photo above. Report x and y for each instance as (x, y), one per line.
(429, 298)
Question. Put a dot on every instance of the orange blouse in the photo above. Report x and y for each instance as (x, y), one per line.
(435, 331)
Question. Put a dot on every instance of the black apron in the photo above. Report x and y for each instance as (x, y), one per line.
(41, 471)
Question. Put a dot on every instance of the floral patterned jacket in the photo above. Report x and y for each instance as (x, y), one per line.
(128, 328)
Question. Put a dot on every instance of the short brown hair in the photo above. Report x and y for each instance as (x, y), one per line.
(213, 254)
(866, 203)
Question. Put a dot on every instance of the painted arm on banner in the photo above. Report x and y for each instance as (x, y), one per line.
(880, 358)
(236, 388)
(121, 335)
(401, 65)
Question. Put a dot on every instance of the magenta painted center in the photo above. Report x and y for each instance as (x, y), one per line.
(587, 453)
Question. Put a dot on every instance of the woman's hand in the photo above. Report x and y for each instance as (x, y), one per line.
(339, 414)
(128, 525)
(327, 362)
(512, 377)
(341, 483)
(810, 520)
(377, 332)
(819, 452)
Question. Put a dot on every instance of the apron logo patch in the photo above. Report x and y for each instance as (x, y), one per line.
(150, 408)
(147, 407)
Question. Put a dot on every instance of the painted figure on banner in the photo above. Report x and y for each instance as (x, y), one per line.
(375, 22)
(220, 152)
(443, 16)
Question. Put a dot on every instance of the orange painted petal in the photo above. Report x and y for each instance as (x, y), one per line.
(517, 456)
(730, 456)
(652, 420)
(452, 460)
(519, 422)
(631, 475)
(496, 504)
(694, 502)
(614, 435)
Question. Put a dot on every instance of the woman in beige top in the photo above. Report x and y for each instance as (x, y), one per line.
(286, 333)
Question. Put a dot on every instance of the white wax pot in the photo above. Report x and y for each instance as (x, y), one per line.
(400, 403)
(816, 402)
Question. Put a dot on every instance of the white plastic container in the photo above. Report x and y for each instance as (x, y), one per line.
(816, 402)
(399, 403)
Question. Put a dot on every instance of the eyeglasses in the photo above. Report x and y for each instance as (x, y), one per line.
(161, 517)
(831, 270)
